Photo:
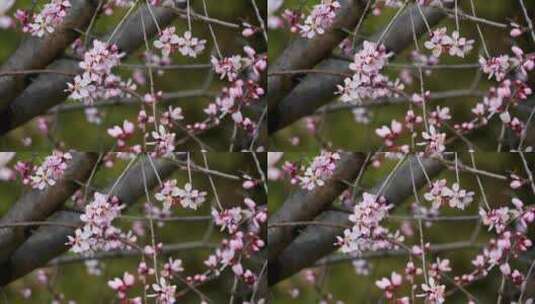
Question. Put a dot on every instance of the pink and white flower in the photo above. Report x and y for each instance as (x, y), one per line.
(168, 41)
(433, 292)
(321, 168)
(434, 141)
(389, 135)
(164, 292)
(320, 19)
(122, 285)
(190, 46)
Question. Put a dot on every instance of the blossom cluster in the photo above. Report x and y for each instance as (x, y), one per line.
(367, 80)
(510, 243)
(367, 234)
(46, 20)
(98, 232)
(170, 195)
(320, 169)
(243, 73)
(46, 174)
(455, 45)
(440, 194)
(187, 45)
(243, 227)
(97, 80)
(433, 140)
(320, 19)
(508, 94)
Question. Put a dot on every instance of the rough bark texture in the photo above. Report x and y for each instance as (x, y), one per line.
(37, 53)
(315, 90)
(48, 90)
(305, 53)
(316, 241)
(304, 205)
(37, 205)
(48, 242)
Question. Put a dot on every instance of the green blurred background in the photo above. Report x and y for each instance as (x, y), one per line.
(73, 280)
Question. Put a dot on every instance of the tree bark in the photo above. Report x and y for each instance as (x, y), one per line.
(37, 53)
(49, 242)
(48, 90)
(304, 205)
(303, 53)
(37, 205)
(315, 90)
(317, 241)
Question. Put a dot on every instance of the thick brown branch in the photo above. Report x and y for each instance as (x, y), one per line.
(305, 53)
(316, 241)
(48, 90)
(37, 53)
(304, 205)
(37, 205)
(49, 241)
(315, 90)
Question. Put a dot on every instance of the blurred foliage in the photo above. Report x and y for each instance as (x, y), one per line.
(73, 279)
(72, 128)
(341, 129)
(342, 281)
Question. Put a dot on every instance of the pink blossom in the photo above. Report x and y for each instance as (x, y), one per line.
(167, 41)
(98, 233)
(228, 219)
(320, 19)
(389, 285)
(122, 285)
(455, 45)
(495, 218)
(439, 116)
(273, 172)
(433, 293)
(228, 67)
(458, 198)
(97, 80)
(49, 17)
(6, 173)
(436, 195)
(168, 195)
(50, 170)
(367, 234)
(190, 46)
(165, 293)
(190, 198)
(122, 133)
(6, 21)
(321, 168)
(495, 66)
(273, 21)
(172, 267)
(434, 141)
(367, 81)
(389, 135)
(164, 141)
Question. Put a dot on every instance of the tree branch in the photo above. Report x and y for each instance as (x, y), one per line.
(305, 53)
(36, 53)
(315, 242)
(48, 242)
(315, 90)
(37, 205)
(304, 205)
(49, 90)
